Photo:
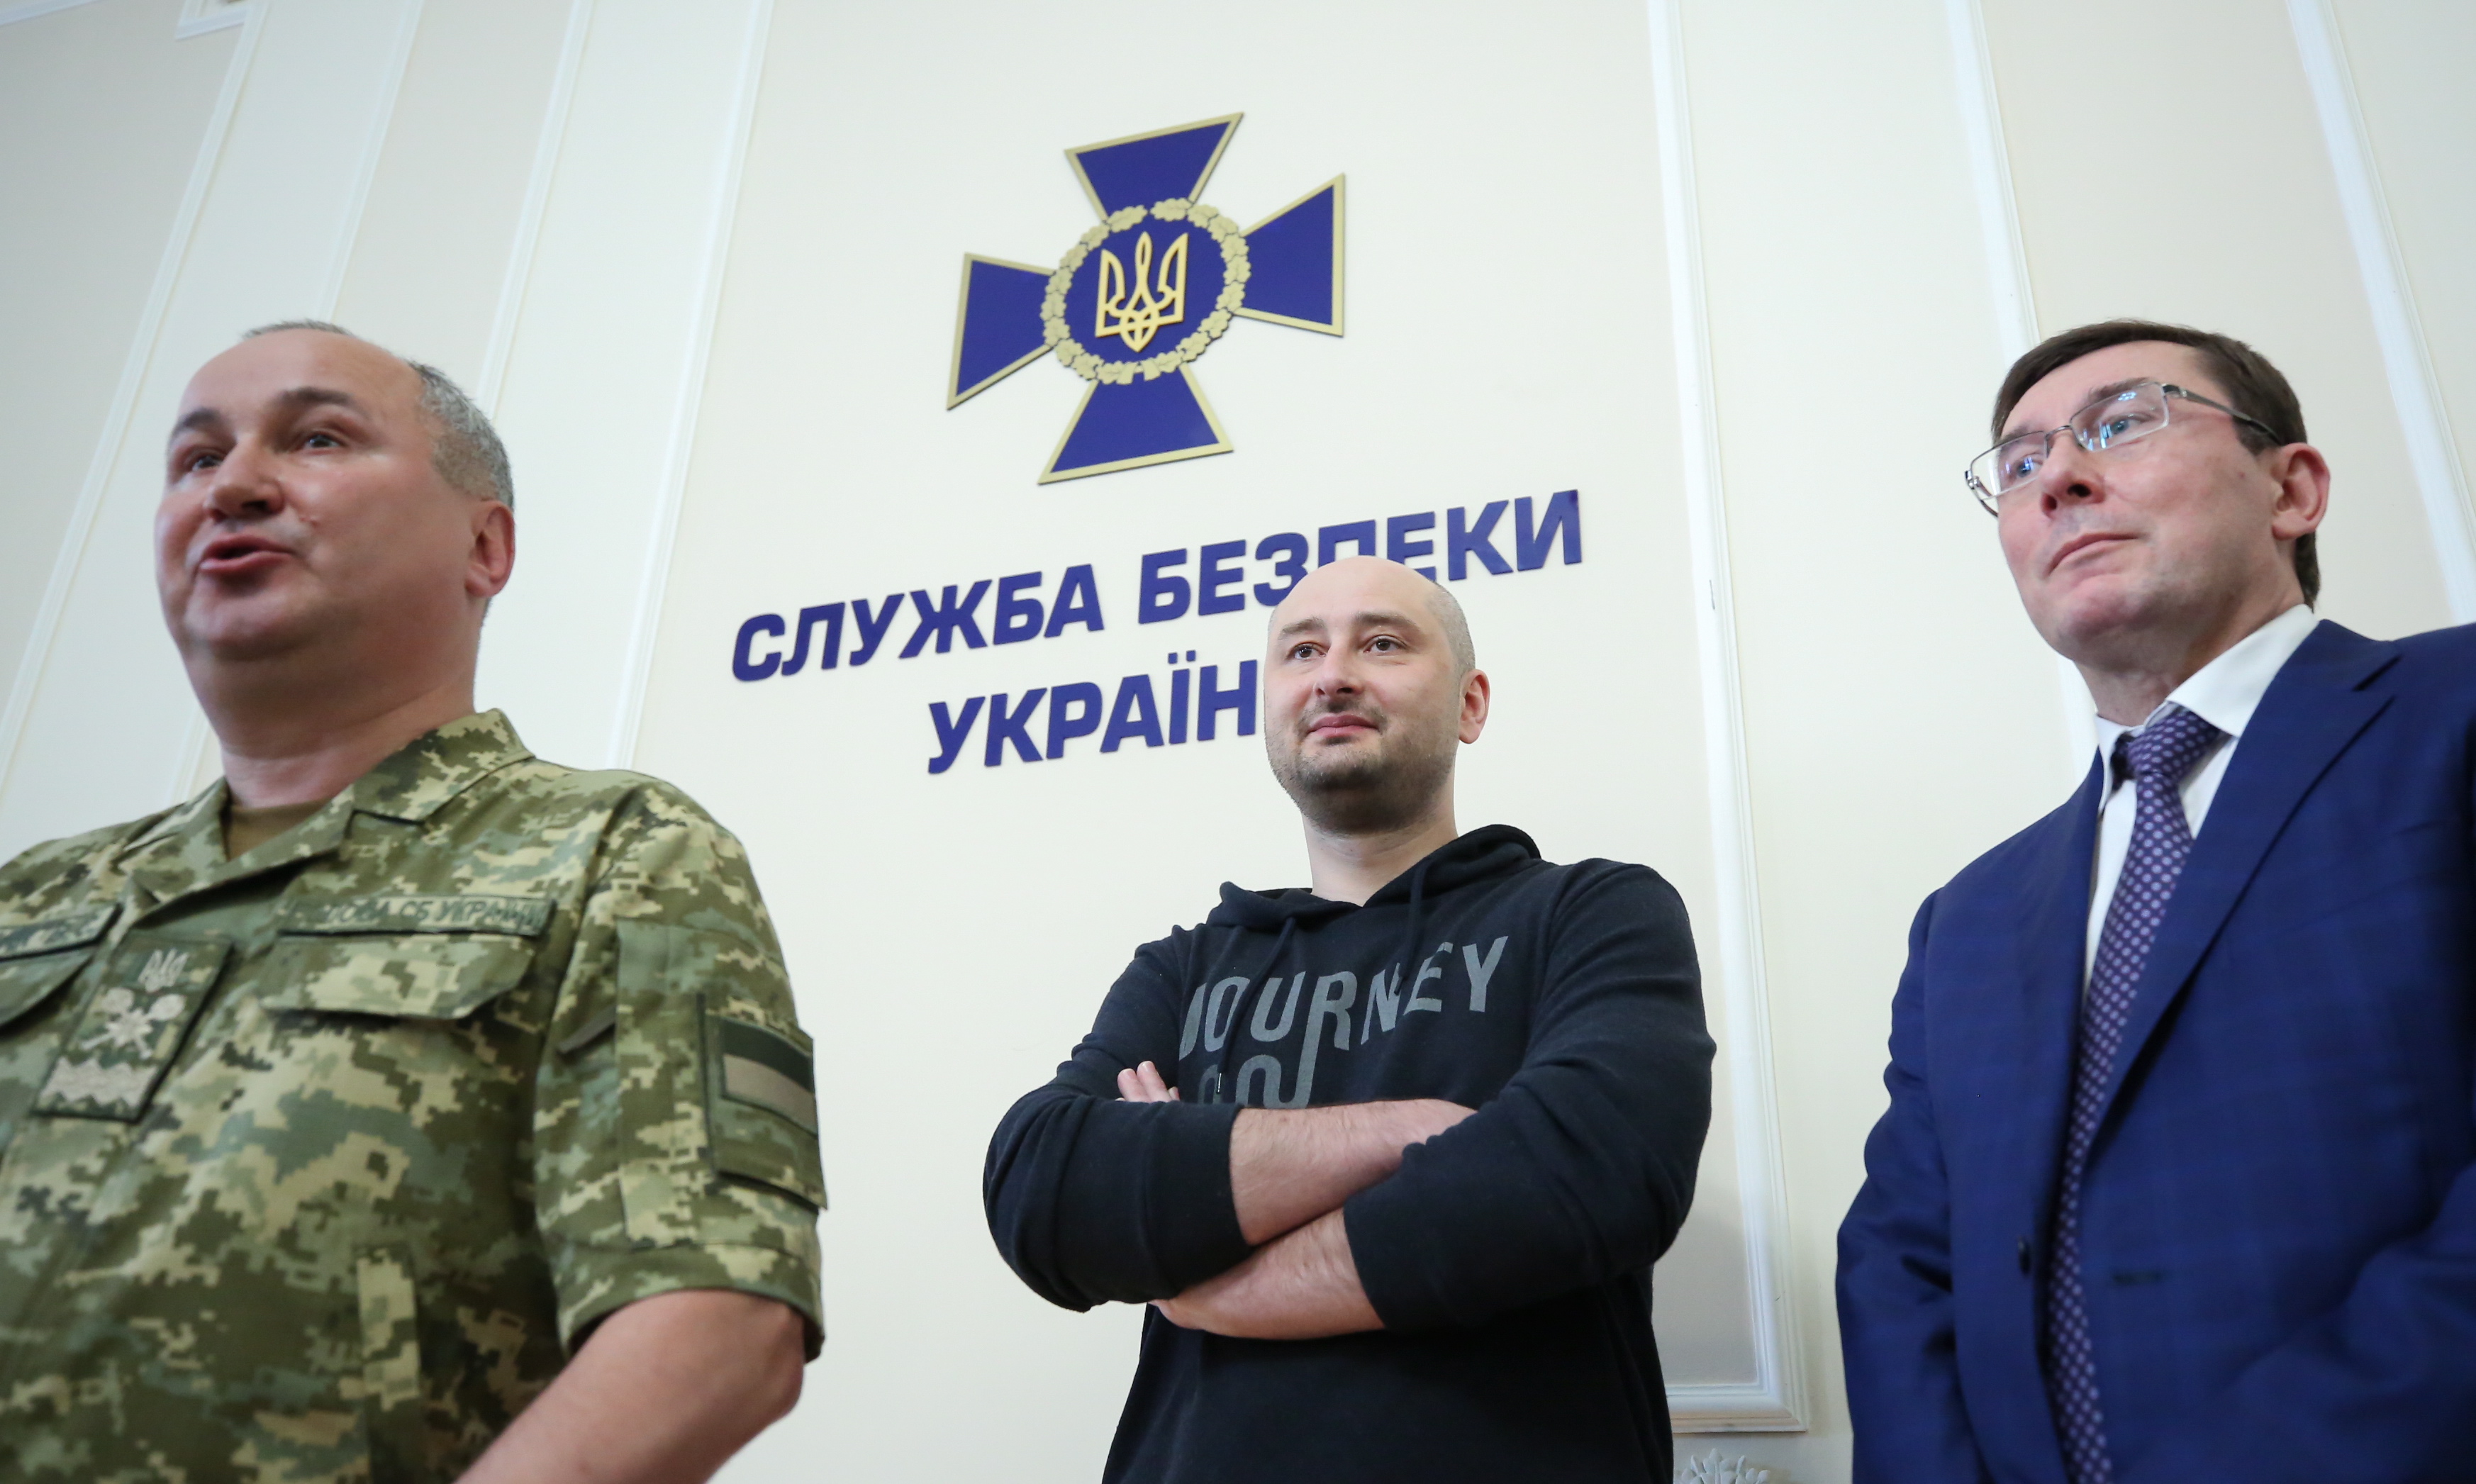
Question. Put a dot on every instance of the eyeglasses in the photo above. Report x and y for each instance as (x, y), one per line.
(2103, 426)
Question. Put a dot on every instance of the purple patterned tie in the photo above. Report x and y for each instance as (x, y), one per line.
(2158, 755)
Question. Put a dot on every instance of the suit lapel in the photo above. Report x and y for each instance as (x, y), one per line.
(2055, 902)
(2317, 704)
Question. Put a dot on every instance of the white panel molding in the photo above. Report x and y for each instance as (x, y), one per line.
(1775, 1400)
(724, 210)
(655, 106)
(123, 407)
(536, 205)
(1990, 168)
(347, 232)
(1718, 1468)
(197, 16)
(272, 200)
(2007, 277)
(2440, 477)
(201, 16)
(27, 9)
(199, 760)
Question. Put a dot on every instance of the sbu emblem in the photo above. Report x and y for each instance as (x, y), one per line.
(1145, 293)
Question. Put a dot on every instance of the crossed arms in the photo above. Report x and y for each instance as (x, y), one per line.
(1575, 1169)
(1289, 1173)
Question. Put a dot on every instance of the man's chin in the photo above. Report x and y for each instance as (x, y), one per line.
(234, 634)
(2086, 619)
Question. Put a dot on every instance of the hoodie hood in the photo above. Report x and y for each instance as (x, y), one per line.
(1485, 854)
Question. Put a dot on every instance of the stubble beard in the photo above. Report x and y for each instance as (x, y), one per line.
(1371, 791)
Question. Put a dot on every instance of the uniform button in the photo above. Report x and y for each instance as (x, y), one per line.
(2024, 1254)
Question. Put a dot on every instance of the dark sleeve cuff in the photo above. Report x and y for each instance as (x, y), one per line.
(1184, 1225)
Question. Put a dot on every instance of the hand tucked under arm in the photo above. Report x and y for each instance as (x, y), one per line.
(1288, 1166)
(1302, 1287)
(666, 1389)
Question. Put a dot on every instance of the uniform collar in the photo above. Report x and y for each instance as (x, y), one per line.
(418, 780)
(183, 850)
(2226, 691)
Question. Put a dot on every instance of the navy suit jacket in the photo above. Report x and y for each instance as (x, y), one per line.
(2278, 1221)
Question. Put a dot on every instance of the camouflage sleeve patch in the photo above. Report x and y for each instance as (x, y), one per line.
(669, 1148)
(767, 1071)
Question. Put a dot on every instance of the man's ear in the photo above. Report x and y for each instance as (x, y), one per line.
(493, 553)
(2303, 478)
(1474, 700)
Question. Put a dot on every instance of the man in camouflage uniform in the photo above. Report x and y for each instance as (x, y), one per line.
(403, 1106)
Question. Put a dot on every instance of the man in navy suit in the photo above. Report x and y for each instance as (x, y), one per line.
(2178, 1180)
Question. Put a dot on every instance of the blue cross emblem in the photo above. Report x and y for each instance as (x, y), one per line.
(1143, 294)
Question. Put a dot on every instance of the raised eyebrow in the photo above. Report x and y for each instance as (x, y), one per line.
(1297, 627)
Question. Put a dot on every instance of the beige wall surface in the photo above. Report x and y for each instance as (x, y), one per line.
(700, 261)
(2207, 199)
(996, 904)
(102, 112)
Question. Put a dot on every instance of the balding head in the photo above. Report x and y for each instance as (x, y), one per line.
(1371, 683)
(464, 448)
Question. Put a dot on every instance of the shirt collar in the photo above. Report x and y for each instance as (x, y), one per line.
(2226, 691)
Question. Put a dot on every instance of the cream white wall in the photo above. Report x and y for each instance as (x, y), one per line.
(594, 213)
(99, 158)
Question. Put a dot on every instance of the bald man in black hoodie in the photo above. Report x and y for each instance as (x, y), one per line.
(1390, 1157)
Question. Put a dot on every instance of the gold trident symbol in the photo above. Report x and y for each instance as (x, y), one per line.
(1135, 318)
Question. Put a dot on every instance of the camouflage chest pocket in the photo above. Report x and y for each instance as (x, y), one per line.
(697, 1047)
(436, 958)
(36, 960)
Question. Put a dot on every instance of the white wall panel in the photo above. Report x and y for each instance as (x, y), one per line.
(448, 195)
(2407, 77)
(104, 727)
(546, 197)
(2201, 192)
(93, 172)
(1873, 606)
(964, 928)
(598, 397)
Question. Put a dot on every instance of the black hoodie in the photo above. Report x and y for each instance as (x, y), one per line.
(1509, 1256)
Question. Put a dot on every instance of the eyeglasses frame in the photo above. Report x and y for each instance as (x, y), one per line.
(1986, 497)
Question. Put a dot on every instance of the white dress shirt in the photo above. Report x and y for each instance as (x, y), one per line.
(2225, 692)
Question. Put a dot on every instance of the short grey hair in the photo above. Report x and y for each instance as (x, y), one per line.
(465, 450)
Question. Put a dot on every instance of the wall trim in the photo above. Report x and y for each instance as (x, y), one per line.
(198, 17)
(2416, 393)
(628, 721)
(27, 9)
(2009, 285)
(199, 759)
(518, 281)
(124, 401)
(1775, 1400)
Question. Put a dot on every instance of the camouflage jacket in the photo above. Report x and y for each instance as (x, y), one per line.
(316, 1164)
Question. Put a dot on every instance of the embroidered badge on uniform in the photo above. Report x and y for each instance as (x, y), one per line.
(766, 1069)
(130, 1031)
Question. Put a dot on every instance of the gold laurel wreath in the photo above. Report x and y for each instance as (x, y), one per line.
(1225, 234)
